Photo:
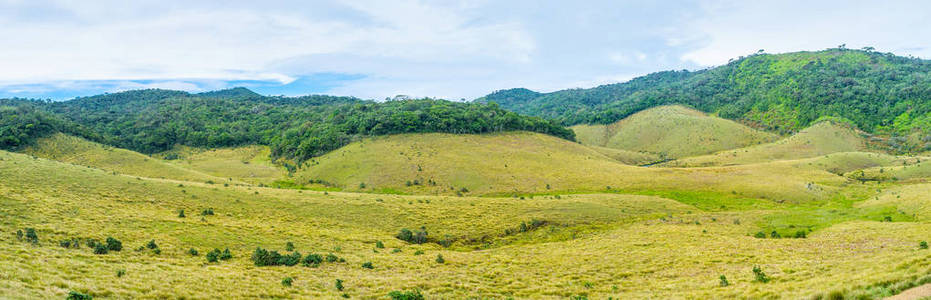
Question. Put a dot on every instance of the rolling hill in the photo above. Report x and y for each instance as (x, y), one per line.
(819, 139)
(671, 131)
(64, 202)
(528, 163)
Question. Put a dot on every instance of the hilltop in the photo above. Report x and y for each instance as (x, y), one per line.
(877, 92)
(671, 131)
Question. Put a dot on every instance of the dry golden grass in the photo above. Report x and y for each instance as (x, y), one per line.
(659, 233)
(621, 246)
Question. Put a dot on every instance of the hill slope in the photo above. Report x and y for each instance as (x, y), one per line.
(64, 202)
(525, 163)
(672, 131)
(820, 139)
(878, 92)
(75, 150)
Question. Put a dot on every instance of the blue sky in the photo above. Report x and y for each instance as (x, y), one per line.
(446, 49)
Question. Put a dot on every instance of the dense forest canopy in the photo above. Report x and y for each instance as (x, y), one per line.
(296, 128)
(878, 92)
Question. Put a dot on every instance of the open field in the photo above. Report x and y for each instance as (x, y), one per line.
(598, 245)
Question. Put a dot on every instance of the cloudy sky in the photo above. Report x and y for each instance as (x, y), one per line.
(446, 49)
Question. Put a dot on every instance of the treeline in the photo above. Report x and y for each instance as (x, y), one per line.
(879, 92)
(296, 128)
(21, 122)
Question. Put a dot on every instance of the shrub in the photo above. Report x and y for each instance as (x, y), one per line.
(760, 276)
(100, 249)
(775, 235)
(289, 247)
(31, 235)
(207, 212)
(65, 243)
(262, 257)
(406, 295)
(312, 260)
(724, 281)
(923, 245)
(379, 245)
(193, 252)
(181, 213)
(405, 235)
(287, 281)
(396, 250)
(439, 259)
(418, 252)
(760, 235)
(226, 254)
(887, 219)
(339, 284)
(120, 273)
(290, 259)
(801, 234)
(213, 255)
(157, 251)
(19, 234)
(368, 265)
(114, 244)
(151, 245)
(78, 296)
(330, 257)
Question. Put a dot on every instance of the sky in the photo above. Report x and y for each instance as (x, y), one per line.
(444, 49)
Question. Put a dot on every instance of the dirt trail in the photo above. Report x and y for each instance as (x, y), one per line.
(918, 292)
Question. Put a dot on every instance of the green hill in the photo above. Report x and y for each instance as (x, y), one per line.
(820, 139)
(671, 131)
(878, 92)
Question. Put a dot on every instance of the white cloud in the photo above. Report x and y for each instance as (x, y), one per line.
(450, 49)
(727, 29)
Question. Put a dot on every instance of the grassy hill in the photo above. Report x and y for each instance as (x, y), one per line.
(819, 139)
(528, 163)
(670, 249)
(75, 150)
(671, 131)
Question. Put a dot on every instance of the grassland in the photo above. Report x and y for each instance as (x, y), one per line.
(598, 245)
(820, 139)
(248, 163)
(515, 164)
(672, 131)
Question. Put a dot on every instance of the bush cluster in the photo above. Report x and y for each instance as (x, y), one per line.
(217, 255)
(262, 257)
(409, 236)
(406, 295)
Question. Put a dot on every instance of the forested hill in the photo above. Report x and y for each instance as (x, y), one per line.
(296, 128)
(878, 92)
